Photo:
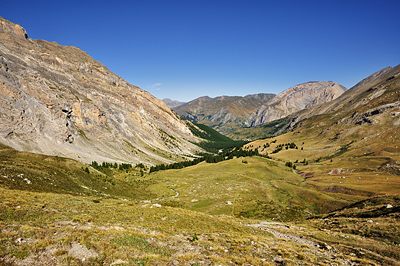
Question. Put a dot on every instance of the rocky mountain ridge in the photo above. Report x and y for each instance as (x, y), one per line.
(360, 104)
(223, 113)
(228, 113)
(296, 98)
(57, 100)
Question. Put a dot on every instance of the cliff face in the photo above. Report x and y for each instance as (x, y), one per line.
(57, 100)
(295, 99)
(350, 99)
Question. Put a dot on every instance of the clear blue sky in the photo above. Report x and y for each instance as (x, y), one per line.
(186, 49)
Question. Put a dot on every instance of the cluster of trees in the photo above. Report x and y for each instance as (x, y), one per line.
(231, 154)
(106, 166)
(291, 165)
(287, 146)
(228, 155)
(98, 166)
(305, 162)
(178, 165)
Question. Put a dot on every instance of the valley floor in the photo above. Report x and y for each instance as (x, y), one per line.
(242, 211)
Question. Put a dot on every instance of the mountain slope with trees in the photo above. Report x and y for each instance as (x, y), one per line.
(229, 113)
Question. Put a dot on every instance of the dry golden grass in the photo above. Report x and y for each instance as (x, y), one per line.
(45, 227)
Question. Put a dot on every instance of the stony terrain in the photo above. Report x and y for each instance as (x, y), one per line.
(58, 100)
(364, 93)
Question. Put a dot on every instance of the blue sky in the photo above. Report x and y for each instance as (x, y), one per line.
(186, 49)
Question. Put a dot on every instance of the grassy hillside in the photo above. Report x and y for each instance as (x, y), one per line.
(58, 211)
(354, 152)
(41, 173)
(47, 228)
(213, 140)
(267, 130)
(251, 187)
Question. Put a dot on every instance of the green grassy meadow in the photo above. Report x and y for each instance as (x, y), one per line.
(243, 211)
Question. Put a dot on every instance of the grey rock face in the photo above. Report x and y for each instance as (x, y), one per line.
(295, 99)
(57, 100)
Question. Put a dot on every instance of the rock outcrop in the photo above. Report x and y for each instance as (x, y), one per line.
(11, 28)
(363, 93)
(57, 100)
(295, 99)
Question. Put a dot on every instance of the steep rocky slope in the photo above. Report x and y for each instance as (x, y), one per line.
(295, 99)
(362, 93)
(57, 100)
(223, 113)
(361, 126)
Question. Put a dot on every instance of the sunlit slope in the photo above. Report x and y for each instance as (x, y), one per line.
(56, 211)
(61, 229)
(373, 95)
(253, 187)
(43, 173)
(353, 151)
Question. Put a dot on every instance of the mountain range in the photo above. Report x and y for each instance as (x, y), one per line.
(360, 95)
(222, 113)
(229, 113)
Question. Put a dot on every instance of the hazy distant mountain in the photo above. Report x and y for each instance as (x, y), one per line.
(57, 100)
(223, 113)
(172, 103)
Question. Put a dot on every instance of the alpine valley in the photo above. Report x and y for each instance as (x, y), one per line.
(96, 171)
(227, 113)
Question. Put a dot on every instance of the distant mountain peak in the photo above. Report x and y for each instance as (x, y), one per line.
(172, 103)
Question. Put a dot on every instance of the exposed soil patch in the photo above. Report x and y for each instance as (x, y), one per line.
(336, 189)
(308, 175)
